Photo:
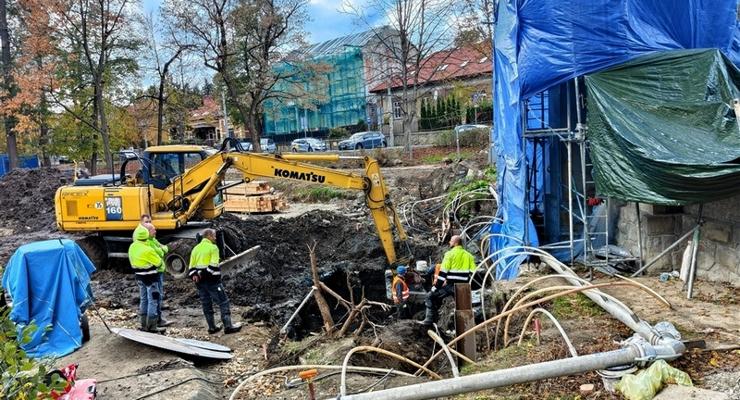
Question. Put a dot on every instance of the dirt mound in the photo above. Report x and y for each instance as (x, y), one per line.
(279, 276)
(27, 199)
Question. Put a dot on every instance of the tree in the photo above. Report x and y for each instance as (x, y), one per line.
(420, 28)
(103, 41)
(8, 87)
(476, 26)
(251, 45)
(164, 56)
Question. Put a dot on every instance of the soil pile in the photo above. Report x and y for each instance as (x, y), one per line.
(27, 199)
(280, 275)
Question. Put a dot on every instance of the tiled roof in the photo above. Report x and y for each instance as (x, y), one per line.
(458, 63)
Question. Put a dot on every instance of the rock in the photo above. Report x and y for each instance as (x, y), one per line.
(396, 162)
(587, 389)
(673, 392)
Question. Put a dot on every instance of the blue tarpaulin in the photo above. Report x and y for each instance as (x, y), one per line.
(49, 283)
(541, 43)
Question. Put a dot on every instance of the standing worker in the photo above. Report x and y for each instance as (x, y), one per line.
(206, 274)
(457, 267)
(400, 292)
(162, 251)
(145, 262)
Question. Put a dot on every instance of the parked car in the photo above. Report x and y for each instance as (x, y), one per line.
(268, 145)
(363, 140)
(246, 145)
(307, 144)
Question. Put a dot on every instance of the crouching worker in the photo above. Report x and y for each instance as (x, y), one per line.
(145, 262)
(401, 293)
(206, 274)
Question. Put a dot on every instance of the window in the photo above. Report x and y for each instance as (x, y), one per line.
(397, 111)
(482, 60)
(191, 159)
(443, 67)
(464, 63)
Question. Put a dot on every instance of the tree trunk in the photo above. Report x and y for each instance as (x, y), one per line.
(9, 121)
(160, 110)
(103, 126)
(44, 130)
(254, 131)
(94, 156)
(243, 112)
(320, 300)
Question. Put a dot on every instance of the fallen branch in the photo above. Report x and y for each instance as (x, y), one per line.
(320, 300)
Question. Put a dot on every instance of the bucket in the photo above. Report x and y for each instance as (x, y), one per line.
(612, 375)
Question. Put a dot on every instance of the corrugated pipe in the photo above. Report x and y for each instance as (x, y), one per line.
(635, 351)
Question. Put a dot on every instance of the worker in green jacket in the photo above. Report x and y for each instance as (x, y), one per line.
(162, 250)
(145, 262)
(204, 270)
(458, 265)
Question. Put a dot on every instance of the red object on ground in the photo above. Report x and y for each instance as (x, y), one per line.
(83, 389)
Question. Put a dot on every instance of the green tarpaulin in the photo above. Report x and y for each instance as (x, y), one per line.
(662, 128)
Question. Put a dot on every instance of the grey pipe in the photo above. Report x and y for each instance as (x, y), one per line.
(505, 377)
(284, 329)
(692, 266)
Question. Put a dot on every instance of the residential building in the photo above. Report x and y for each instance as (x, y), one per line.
(206, 124)
(463, 73)
(355, 64)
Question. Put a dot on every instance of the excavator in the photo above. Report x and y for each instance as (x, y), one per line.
(180, 187)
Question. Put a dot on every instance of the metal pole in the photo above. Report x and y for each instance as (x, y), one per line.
(582, 143)
(464, 320)
(671, 247)
(570, 174)
(694, 250)
(505, 377)
(284, 329)
(639, 235)
(457, 143)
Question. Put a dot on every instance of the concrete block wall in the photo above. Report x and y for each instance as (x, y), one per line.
(718, 257)
(719, 244)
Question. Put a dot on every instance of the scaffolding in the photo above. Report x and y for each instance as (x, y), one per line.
(586, 213)
(337, 99)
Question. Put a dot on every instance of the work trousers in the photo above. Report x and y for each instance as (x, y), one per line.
(160, 283)
(149, 297)
(434, 300)
(210, 292)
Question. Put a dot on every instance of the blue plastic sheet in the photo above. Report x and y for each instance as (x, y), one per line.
(49, 283)
(541, 43)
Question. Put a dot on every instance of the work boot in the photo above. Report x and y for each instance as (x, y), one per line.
(228, 326)
(142, 322)
(212, 327)
(163, 322)
(152, 326)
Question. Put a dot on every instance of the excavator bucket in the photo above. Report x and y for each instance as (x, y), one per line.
(240, 258)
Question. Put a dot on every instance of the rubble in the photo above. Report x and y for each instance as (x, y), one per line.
(27, 199)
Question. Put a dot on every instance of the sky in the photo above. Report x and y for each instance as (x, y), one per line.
(327, 22)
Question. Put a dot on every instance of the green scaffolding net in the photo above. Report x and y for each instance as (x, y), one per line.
(337, 99)
(663, 129)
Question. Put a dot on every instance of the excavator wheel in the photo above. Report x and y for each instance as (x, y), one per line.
(96, 250)
(176, 260)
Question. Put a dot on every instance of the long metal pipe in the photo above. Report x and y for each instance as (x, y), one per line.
(505, 377)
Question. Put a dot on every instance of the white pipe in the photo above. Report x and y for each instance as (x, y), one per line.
(568, 343)
(505, 377)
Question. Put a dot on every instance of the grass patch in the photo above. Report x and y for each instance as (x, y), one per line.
(574, 307)
(322, 194)
(437, 158)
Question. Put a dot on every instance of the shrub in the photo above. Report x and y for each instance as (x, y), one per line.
(20, 376)
(338, 133)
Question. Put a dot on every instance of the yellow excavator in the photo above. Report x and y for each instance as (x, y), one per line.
(180, 186)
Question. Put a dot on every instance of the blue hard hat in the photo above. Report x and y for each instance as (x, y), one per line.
(401, 269)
